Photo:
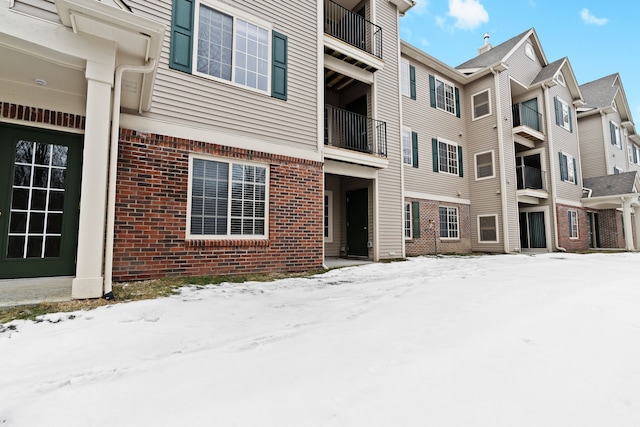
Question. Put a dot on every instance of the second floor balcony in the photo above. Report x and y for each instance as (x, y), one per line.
(527, 122)
(530, 178)
(352, 38)
(354, 132)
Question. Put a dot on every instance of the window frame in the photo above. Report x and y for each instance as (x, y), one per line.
(408, 146)
(571, 172)
(493, 165)
(228, 235)
(473, 104)
(560, 79)
(457, 160)
(495, 217)
(405, 78)
(618, 134)
(407, 220)
(449, 229)
(573, 225)
(528, 51)
(235, 15)
(453, 95)
(566, 125)
(327, 217)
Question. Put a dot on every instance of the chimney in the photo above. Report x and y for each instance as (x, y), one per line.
(486, 47)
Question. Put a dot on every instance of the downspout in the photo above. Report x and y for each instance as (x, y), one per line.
(503, 178)
(113, 169)
(552, 169)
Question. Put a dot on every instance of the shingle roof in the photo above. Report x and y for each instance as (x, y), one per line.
(548, 71)
(611, 185)
(493, 55)
(599, 93)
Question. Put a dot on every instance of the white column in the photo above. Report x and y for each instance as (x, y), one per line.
(89, 279)
(626, 218)
(636, 211)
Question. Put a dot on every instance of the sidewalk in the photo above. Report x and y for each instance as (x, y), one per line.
(31, 291)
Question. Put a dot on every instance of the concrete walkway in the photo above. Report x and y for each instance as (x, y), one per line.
(32, 291)
(335, 262)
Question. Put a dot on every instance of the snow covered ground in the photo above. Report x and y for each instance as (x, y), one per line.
(509, 340)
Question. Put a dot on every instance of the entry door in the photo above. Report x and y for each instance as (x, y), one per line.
(532, 230)
(594, 230)
(40, 175)
(357, 222)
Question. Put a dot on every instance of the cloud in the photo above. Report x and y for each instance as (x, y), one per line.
(469, 14)
(588, 18)
(421, 7)
(424, 42)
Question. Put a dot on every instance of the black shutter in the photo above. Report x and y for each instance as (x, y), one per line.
(415, 217)
(412, 81)
(279, 66)
(432, 90)
(414, 148)
(434, 154)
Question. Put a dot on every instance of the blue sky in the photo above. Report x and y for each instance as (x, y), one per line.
(600, 38)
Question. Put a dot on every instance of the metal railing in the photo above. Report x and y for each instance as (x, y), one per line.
(352, 28)
(531, 178)
(356, 132)
(526, 116)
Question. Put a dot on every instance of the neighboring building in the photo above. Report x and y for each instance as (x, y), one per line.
(610, 152)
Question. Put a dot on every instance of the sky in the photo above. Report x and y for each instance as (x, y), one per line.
(599, 37)
(495, 340)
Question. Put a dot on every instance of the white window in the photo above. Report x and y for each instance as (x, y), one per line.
(630, 152)
(568, 168)
(328, 216)
(528, 50)
(448, 223)
(404, 78)
(616, 135)
(484, 165)
(560, 79)
(445, 96)
(227, 199)
(636, 155)
(488, 228)
(232, 46)
(407, 151)
(408, 221)
(447, 157)
(481, 104)
(563, 114)
(573, 224)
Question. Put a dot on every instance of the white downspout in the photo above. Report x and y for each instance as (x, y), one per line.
(113, 169)
(552, 169)
(503, 178)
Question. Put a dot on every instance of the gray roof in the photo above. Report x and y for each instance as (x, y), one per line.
(493, 55)
(548, 71)
(599, 93)
(611, 185)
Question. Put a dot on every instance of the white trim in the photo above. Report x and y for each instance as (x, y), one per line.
(577, 236)
(473, 105)
(574, 171)
(560, 79)
(496, 227)
(329, 195)
(566, 126)
(407, 129)
(547, 224)
(453, 86)
(404, 221)
(568, 202)
(457, 223)
(347, 69)
(528, 50)
(493, 165)
(435, 198)
(228, 236)
(406, 74)
(346, 169)
(455, 144)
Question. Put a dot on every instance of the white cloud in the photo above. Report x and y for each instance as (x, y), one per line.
(588, 18)
(469, 14)
(424, 42)
(421, 7)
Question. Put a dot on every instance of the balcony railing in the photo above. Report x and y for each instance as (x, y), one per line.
(352, 28)
(530, 178)
(526, 116)
(356, 132)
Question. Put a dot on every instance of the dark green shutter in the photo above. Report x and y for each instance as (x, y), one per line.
(412, 81)
(456, 92)
(563, 170)
(279, 66)
(432, 90)
(415, 216)
(558, 111)
(612, 129)
(434, 153)
(460, 173)
(570, 120)
(575, 172)
(414, 148)
(180, 55)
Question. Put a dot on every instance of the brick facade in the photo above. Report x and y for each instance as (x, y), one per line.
(151, 211)
(580, 244)
(424, 245)
(612, 235)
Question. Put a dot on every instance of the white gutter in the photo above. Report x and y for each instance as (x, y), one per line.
(113, 169)
(503, 178)
(552, 169)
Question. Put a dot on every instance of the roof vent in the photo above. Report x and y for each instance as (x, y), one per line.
(486, 47)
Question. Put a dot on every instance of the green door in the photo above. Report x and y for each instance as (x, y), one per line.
(40, 174)
(358, 223)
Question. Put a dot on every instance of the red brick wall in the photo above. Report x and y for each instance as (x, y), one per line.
(572, 245)
(610, 222)
(424, 245)
(151, 210)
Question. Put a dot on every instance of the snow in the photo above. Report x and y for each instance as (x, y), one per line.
(505, 340)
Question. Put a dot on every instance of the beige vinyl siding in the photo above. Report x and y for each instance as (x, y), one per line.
(428, 123)
(45, 9)
(592, 148)
(521, 67)
(387, 90)
(481, 137)
(191, 100)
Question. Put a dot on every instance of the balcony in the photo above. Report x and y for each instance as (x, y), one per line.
(531, 184)
(351, 38)
(356, 134)
(527, 123)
